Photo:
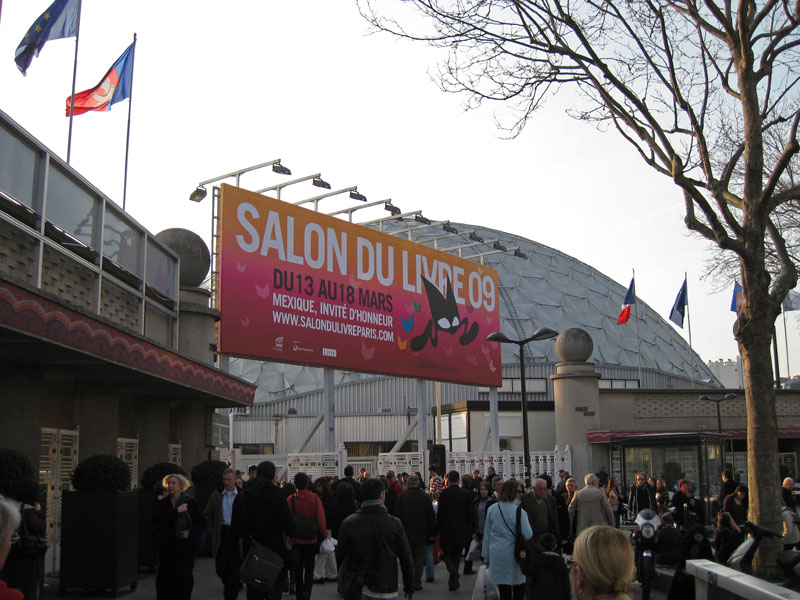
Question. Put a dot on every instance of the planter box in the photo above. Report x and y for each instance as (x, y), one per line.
(148, 555)
(99, 540)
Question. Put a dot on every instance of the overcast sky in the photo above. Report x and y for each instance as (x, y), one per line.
(216, 90)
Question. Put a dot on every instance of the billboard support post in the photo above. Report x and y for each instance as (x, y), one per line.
(494, 417)
(329, 437)
(422, 422)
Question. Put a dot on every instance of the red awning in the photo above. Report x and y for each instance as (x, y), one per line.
(603, 437)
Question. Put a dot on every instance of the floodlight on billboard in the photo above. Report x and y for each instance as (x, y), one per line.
(303, 287)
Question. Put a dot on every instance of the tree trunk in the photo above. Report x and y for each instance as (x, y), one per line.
(754, 333)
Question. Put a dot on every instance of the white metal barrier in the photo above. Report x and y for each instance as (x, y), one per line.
(708, 575)
(317, 464)
(402, 462)
(511, 464)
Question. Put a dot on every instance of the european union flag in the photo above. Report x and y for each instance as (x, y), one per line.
(678, 311)
(58, 21)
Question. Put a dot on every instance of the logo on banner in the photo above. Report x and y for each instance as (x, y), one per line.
(329, 352)
(278, 344)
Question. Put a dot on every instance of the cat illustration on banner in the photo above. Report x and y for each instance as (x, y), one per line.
(444, 317)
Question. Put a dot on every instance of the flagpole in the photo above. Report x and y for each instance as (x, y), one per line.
(689, 324)
(786, 342)
(128, 137)
(638, 341)
(74, 75)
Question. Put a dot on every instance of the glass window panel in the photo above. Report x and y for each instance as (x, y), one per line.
(618, 383)
(458, 425)
(605, 384)
(161, 268)
(122, 242)
(71, 207)
(632, 383)
(18, 168)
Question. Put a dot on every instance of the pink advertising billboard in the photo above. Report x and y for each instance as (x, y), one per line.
(302, 287)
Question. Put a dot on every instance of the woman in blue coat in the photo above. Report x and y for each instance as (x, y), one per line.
(499, 537)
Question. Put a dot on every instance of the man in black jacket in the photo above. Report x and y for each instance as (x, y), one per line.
(641, 496)
(415, 510)
(370, 543)
(454, 523)
(348, 479)
(261, 512)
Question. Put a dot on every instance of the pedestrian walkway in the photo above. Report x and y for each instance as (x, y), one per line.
(207, 586)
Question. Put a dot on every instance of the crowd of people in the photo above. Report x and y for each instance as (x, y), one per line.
(354, 531)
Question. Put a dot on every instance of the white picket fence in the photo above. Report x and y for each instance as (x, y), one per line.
(510, 464)
(505, 463)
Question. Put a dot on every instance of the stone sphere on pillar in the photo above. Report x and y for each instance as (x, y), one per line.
(574, 345)
(195, 257)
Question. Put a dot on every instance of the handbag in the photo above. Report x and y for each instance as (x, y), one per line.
(260, 568)
(304, 527)
(328, 546)
(30, 544)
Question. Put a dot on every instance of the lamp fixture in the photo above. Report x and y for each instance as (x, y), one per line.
(449, 228)
(421, 219)
(198, 194)
(499, 246)
(320, 183)
(519, 254)
(354, 195)
(394, 210)
(279, 168)
(475, 237)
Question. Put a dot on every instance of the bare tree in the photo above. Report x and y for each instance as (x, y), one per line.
(701, 90)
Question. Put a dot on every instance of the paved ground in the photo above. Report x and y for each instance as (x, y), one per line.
(207, 587)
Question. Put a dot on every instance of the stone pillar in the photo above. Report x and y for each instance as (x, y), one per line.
(152, 428)
(576, 392)
(21, 407)
(97, 415)
(197, 334)
(193, 429)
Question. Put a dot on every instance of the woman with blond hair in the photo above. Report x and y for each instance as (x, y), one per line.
(177, 519)
(9, 521)
(602, 564)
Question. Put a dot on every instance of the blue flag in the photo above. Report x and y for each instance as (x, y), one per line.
(736, 301)
(678, 311)
(58, 21)
(630, 300)
(792, 301)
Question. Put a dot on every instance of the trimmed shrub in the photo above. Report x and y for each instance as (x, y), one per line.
(154, 474)
(101, 473)
(14, 466)
(208, 473)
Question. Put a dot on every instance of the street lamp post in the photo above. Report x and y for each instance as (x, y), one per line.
(717, 402)
(543, 333)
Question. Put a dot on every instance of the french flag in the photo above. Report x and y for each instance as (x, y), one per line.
(630, 300)
(114, 87)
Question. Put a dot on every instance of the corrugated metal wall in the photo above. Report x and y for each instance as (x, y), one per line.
(292, 430)
(381, 395)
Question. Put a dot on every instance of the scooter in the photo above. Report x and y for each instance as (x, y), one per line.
(742, 557)
(643, 539)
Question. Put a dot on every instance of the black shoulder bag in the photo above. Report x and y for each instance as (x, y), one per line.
(526, 563)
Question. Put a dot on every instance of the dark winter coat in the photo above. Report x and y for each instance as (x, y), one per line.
(415, 510)
(641, 497)
(25, 572)
(370, 542)
(551, 581)
(667, 546)
(262, 512)
(165, 517)
(454, 518)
